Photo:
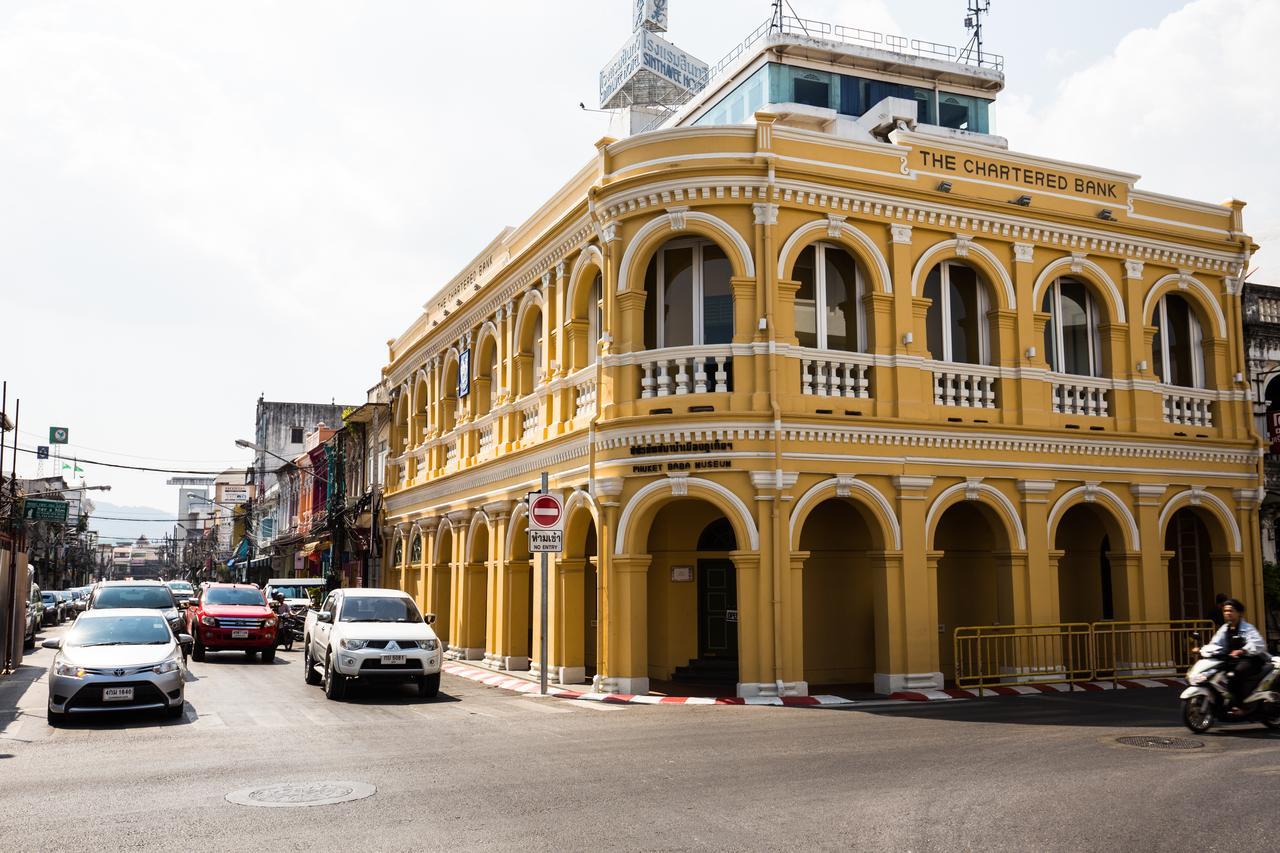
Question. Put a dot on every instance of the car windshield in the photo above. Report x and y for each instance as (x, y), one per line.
(230, 595)
(311, 593)
(119, 631)
(380, 609)
(154, 597)
(179, 586)
(48, 597)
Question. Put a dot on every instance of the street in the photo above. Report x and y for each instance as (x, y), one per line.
(482, 768)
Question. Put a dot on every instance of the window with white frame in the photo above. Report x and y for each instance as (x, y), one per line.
(829, 313)
(595, 319)
(1071, 335)
(492, 367)
(535, 350)
(956, 323)
(1177, 348)
(689, 297)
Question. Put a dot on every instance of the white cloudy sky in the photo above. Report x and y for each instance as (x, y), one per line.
(202, 201)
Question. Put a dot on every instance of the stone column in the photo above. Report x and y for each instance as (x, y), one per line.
(1151, 592)
(499, 513)
(607, 490)
(911, 598)
(566, 646)
(1040, 603)
(629, 653)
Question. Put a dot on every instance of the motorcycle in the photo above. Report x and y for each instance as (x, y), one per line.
(289, 630)
(1208, 696)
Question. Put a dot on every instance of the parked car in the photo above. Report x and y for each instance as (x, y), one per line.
(116, 659)
(229, 616)
(300, 594)
(151, 595)
(53, 610)
(80, 598)
(35, 614)
(370, 635)
(68, 603)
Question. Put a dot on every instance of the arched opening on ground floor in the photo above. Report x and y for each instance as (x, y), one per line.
(1093, 568)
(473, 602)
(840, 595)
(516, 622)
(692, 595)
(1198, 566)
(440, 584)
(974, 577)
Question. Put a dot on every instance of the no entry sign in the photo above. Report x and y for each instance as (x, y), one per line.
(546, 513)
(546, 524)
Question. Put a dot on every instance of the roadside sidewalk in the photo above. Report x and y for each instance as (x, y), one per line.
(519, 682)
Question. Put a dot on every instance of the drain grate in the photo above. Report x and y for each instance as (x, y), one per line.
(296, 794)
(1153, 742)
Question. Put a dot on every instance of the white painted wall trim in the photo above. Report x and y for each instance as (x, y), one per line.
(828, 488)
(996, 496)
(694, 485)
(1195, 497)
(855, 235)
(714, 223)
(1108, 497)
(948, 247)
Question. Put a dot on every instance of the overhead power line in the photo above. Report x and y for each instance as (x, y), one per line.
(81, 459)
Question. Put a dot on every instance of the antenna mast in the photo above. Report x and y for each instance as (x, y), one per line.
(973, 21)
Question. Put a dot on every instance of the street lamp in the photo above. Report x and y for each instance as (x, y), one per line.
(249, 445)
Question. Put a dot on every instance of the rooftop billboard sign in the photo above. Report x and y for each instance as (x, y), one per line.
(650, 70)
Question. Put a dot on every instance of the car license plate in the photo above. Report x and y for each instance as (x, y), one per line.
(239, 635)
(392, 659)
(117, 694)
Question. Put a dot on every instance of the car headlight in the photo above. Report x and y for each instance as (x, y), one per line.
(70, 670)
(269, 622)
(209, 621)
(167, 665)
(352, 645)
(429, 645)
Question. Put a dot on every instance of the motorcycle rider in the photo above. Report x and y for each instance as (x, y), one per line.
(1240, 642)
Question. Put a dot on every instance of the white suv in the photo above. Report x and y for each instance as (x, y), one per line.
(370, 635)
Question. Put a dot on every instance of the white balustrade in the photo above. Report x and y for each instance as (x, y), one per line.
(1188, 409)
(1268, 310)
(488, 438)
(451, 453)
(964, 388)
(1080, 398)
(529, 421)
(676, 373)
(585, 399)
(834, 376)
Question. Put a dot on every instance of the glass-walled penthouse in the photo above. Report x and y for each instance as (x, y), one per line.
(846, 94)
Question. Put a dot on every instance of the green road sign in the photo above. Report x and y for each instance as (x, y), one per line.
(58, 435)
(38, 510)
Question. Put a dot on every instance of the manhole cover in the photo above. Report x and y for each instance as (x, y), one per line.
(1151, 742)
(293, 794)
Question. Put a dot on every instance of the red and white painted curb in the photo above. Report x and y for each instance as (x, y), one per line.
(1035, 689)
(523, 685)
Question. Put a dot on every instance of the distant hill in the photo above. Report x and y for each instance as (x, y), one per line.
(105, 515)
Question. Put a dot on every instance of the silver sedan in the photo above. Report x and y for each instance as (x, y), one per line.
(118, 659)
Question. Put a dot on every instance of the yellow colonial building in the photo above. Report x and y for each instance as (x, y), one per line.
(825, 371)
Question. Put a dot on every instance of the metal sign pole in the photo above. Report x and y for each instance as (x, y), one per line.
(542, 660)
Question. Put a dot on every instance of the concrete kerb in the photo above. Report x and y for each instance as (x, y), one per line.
(524, 685)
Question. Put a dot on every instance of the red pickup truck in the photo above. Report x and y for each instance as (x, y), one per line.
(232, 616)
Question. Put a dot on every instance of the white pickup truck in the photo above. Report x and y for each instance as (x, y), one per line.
(370, 635)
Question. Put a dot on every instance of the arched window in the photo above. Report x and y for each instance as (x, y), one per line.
(690, 300)
(492, 367)
(1071, 335)
(415, 550)
(956, 323)
(595, 320)
(535, 350)
(398, 556)
(1176, 348)
(829, 302)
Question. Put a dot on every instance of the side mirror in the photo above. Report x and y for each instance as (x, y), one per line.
(55, 643)
(429, 618)
(186, 640)
(190, 602)
(325, 616)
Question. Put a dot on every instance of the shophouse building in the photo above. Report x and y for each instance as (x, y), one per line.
(825, 370)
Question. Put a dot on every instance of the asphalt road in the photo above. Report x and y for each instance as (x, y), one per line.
(482, 768)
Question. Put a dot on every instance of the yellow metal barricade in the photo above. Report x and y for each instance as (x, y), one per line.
(1124, 650)
(1002, 655)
